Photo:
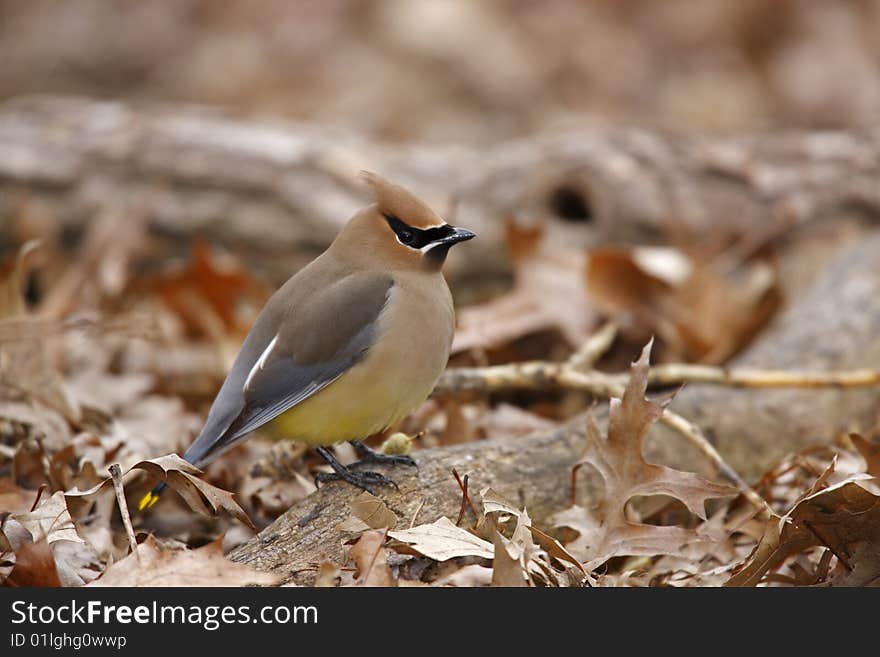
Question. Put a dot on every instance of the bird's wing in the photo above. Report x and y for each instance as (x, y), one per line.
(290, 355)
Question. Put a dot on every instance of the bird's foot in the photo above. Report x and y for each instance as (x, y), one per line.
(369, 455)
(363, 479)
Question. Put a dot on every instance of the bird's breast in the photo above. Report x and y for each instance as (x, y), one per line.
(399, 370)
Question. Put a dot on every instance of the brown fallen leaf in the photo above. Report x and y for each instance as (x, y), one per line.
(493, 502)
(272, 497)
(701, 314)
(50, 520)
(371, 559)
(870, 451)
(519, 560)
(207, 294)
(844, 518)
(509, 563)
(555, 549)
(605, 531)
(153, 565)
(549, 293)
(373, 511)
(183, 478)
(28, 464)
(470, 575)
(34, 566)
(13, 498)
(328, 574)
(76, 561)
(441, 540)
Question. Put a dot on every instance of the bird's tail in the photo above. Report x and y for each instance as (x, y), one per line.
(148, 500)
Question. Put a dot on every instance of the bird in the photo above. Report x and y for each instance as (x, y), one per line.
(350, 344)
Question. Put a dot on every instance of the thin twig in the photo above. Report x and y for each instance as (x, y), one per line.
(594, 347)
(465, 498)
(541, 375)
(412, 522)
(679, 373)
(116, 475)
(573, 495)
(40, 491)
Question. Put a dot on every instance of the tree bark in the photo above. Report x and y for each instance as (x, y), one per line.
(534, 472)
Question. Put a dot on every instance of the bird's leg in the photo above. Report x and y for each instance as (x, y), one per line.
(364, 480)
(370, 455)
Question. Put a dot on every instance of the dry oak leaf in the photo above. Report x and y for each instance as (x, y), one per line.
(441, 540)
(371, 558)
(549, 293)
(50, 520)
(75, 561)
(153, 565)
(605, 531)
(518, 560)
(183, 478)
(844, 517)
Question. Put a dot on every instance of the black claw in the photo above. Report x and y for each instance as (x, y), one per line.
(369, 455)
(365, 480)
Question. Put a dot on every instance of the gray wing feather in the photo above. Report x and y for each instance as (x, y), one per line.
(308, 356)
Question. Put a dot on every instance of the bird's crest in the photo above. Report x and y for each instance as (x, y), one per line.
(396, 201)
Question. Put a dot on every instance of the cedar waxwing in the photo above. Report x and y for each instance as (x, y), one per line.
(350, 344)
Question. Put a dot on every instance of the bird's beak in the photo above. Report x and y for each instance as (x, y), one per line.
(455, 236)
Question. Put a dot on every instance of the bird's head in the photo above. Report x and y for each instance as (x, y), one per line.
(398, 231)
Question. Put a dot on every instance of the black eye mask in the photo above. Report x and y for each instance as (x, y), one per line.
(417, 238)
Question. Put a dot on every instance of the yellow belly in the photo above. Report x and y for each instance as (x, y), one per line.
(396, 376)
(352, 407)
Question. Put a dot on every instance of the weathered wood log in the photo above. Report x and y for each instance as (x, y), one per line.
(834, 326)
(282, 189)
(533, 472)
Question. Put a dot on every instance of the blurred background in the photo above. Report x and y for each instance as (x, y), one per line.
(177, 160)
(458, 70)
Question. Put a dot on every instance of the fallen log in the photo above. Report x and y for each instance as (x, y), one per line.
(534, 472)
(280, 190)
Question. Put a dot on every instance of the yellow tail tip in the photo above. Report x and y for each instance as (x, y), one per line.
(147, 501)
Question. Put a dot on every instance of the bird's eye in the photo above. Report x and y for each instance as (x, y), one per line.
(406, 236)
